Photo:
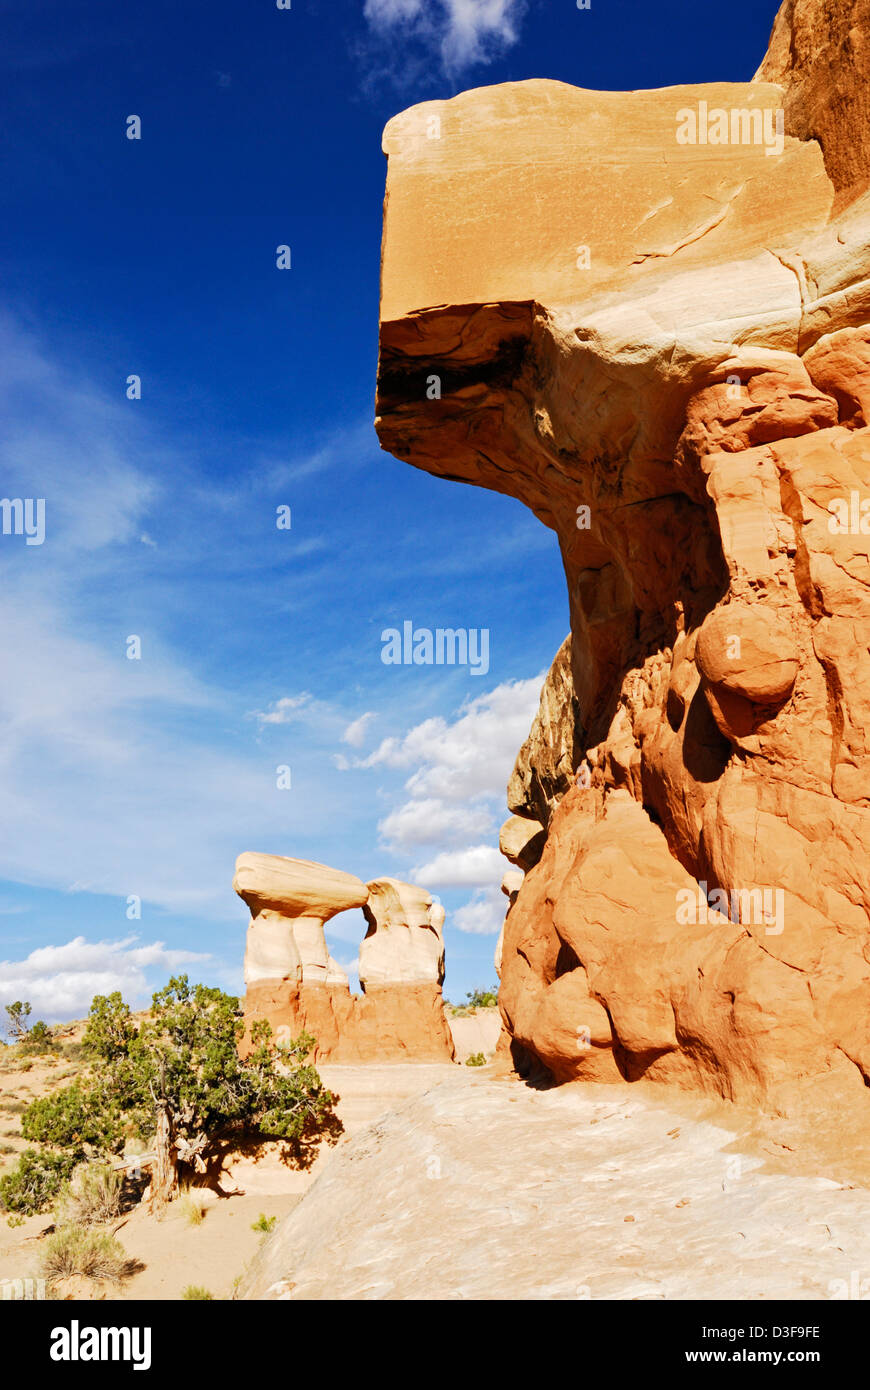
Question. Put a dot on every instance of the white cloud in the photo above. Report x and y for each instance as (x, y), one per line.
(455, 795)
(473, 756)
(71, 443)
(432, 822)
(462, 32)
(283, 711)
(355, 732)
(393, 11)
(479, 865)
(61, 981)
(457, 790)
(483, 914)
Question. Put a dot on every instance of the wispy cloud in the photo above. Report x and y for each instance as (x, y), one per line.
(128, 776)
(283, 711)
(460, 32)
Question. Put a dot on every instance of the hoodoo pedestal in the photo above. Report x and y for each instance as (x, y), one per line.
(293, 982)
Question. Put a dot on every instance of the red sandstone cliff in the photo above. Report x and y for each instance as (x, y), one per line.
(647, 316)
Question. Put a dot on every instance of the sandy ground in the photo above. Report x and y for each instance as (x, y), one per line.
(170, 1254)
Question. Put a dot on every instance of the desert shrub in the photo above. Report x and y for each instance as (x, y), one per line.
(195, 1293)
(483, 998)
(193, 1208)
(84, 1252)
(39, 1039)
(75, 1117)
(264, 1223)
(92, 1197)
(35, 1181)
(17, 1015)
(176, 1080)
(476, 1059)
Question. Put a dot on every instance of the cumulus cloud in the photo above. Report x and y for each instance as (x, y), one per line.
(61, 981)
(432, 821)
(454, 797)
(479, 865)
(471, 757)
(355, 732)
(461, 32)
(483, 914)
(455, 794)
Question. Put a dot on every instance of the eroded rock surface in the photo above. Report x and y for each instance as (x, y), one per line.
(680, 392)
(819, 54)
(491, 1190)
(294, 983)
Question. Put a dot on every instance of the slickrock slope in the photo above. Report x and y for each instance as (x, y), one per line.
(294, 983)
(647, 316)
(492, 1190)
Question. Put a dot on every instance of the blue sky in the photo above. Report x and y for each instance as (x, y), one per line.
(260, 648)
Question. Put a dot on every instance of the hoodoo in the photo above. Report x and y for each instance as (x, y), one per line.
(294, 983)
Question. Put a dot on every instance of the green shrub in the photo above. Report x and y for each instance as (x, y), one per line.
(264, 1223)
(75, 1116)
(195, 1293)
(39, 1039)
(476, 1059)
(483, 998)
(84, 1252)
(92, 1198)
(17, 1015)
(35, 1181)
(177, 1080)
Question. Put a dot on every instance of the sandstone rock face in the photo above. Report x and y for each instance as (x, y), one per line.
(820, 54)
(546, 761)
(403, 944)
(293, 981)
(680, 392)
(521, 841)
(512, 882)
(290, 900)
